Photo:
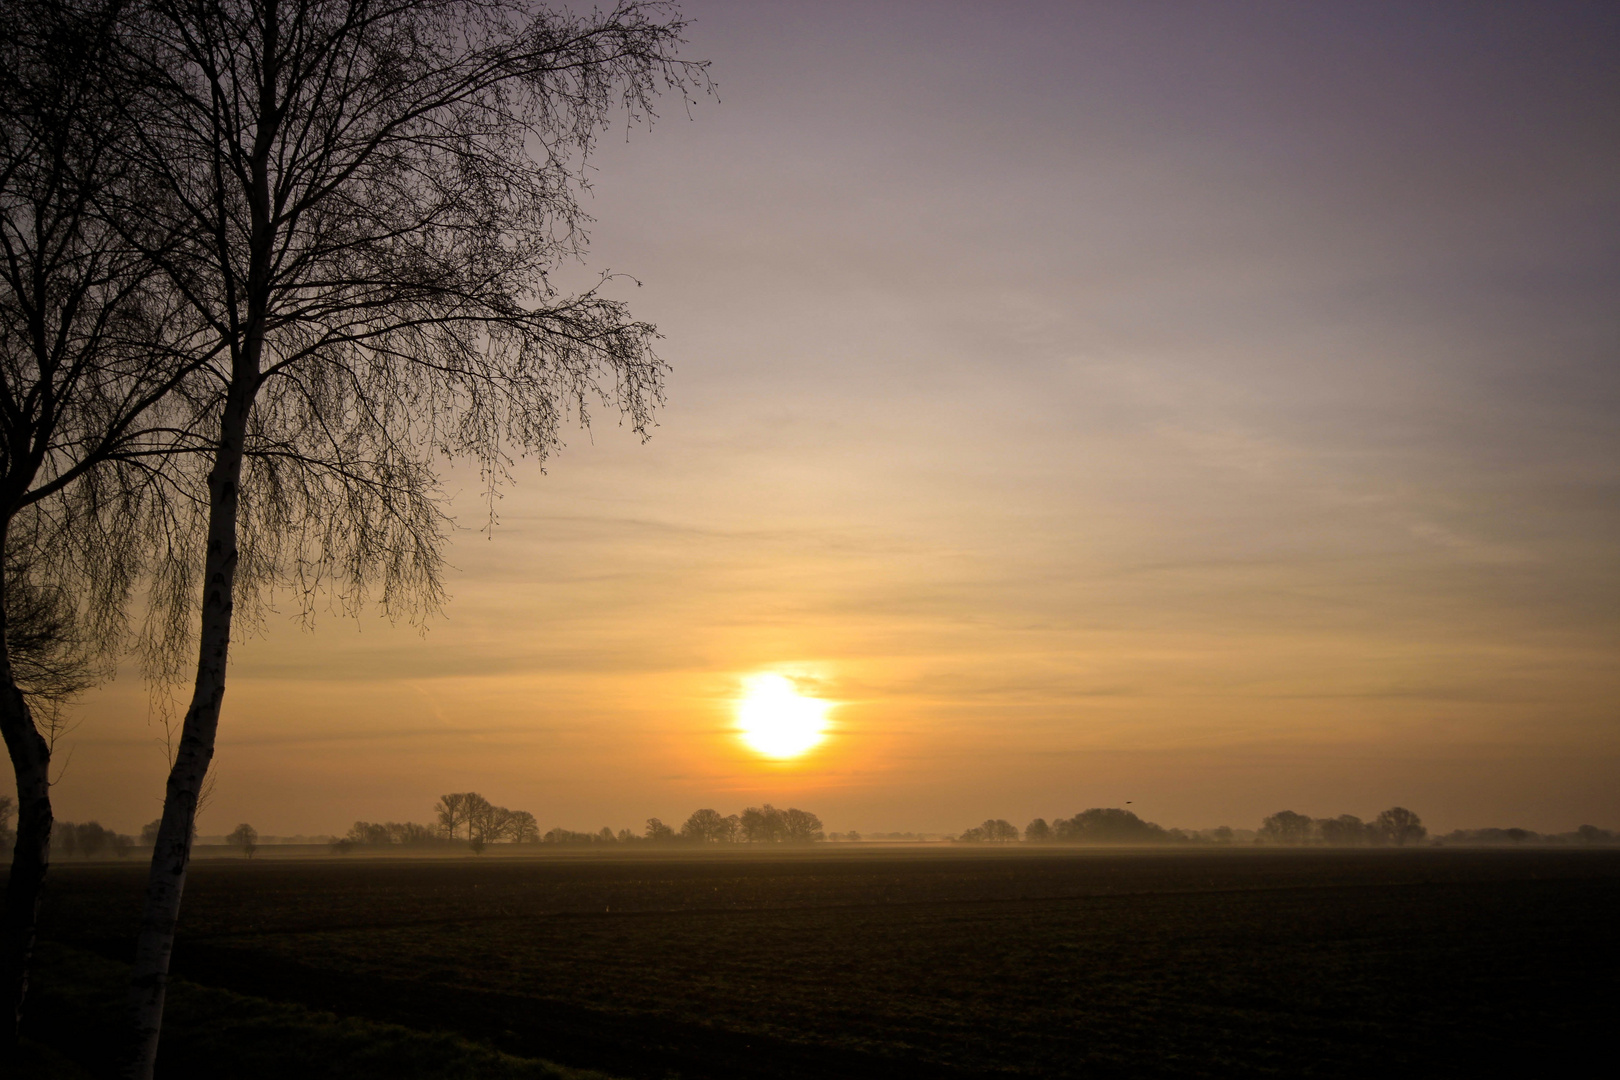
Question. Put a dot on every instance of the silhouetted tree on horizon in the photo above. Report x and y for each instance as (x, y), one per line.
(453, 811)
(485, 822)
(993, 831)
(1399, 826)
(708, 827)
(88, 839)
(245, 837)
(1287, 827)
(1346, 830)
(1110, 825)
(768, 825)
(522, 828)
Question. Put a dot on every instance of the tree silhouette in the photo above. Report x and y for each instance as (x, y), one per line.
(1107, 826)
(706, 827)
(768, 825)
(762, 824)
(88, 368)
(408, 833)
(368, 833)
(453, 810)
(94, 838)
(488, 823)
(372, 197)
(1037, 831)
(1287, 827)
(994, 831)
(245, 837)
(801, 827)
(1400, 826)
(523, 828)
(1346, 830)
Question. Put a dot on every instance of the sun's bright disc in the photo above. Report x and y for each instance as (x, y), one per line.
(774, 719)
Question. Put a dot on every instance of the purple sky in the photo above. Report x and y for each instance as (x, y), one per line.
(1210, 405)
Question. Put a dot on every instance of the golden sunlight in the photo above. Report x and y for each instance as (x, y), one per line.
(775, 720)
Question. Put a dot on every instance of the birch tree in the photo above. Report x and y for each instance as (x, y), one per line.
(93, 359)
(374, 196)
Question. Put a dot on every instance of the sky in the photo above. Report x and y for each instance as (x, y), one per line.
(1211, 406)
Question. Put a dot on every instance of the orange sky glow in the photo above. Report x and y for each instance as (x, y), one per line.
(1216, 414)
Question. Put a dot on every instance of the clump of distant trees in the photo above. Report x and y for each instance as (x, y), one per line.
(401, 833)
(469, 818)
(1399, 826)
(459, 813)
(1099, 825)
(1396, 826)
(993, 831)
(754, 825)
(485, 822)
(88, 840)
(1589, 835)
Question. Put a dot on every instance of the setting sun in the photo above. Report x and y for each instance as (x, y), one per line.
(775, 720)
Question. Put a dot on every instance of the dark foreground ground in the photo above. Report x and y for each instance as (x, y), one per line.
(856, 963)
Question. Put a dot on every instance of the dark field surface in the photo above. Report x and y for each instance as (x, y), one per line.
(926, 963)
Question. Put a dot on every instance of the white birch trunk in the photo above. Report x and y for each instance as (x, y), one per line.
(172, 853)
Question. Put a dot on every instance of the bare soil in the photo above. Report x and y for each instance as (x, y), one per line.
(922, 962)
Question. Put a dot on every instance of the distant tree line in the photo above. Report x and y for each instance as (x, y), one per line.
(469, 818)
(1589, 835)
(754, 825)
(403, 833)
(463, 817)
(89, 840)
(994, 831)
(1099, 825)
(1396, 827)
